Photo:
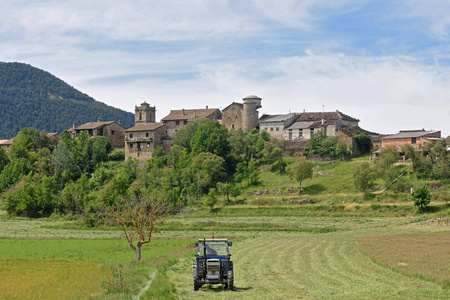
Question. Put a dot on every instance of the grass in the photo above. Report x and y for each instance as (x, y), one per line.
(50, 279)
(420, 254)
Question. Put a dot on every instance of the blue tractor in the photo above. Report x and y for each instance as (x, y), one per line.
(212, 264)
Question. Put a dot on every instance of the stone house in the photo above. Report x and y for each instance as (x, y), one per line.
(5, 144)
(142, 139)
(242, 116)
(180, 117)
(276, 124)
(114, 131)
(416, 138)
(308, 123)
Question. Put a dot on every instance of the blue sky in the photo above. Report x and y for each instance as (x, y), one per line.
(386, 63)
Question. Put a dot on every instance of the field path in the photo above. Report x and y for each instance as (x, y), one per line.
(307, 266)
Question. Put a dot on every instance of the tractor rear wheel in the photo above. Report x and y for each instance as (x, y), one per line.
(195, 274)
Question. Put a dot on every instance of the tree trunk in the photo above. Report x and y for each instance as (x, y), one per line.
(138, 251)
(300, 190)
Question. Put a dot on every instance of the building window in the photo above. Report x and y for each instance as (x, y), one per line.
(278, 128)
(271, 128)
(139, 136)
(413, 140)
(140, 116)
(146, 134)
(131, 145)
(131, 135)
(139, 154)
(177, 123)
(266, 129)
(300, 133)
(148, 145)
(185, 122)
(290, 134)
(232, 126)
(112, 132)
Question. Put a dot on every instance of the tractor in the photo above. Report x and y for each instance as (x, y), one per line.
(212, 263)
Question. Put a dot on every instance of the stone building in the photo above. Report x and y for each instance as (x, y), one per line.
(147, 134)
(276, 124)
(5, 144)
(242, 116)
(180, 117)
(114, 131)
(308, 123)
(142, 139)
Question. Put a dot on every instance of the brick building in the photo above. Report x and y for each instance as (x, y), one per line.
(416, 138)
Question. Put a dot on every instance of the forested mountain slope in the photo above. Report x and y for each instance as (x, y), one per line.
(30, 97)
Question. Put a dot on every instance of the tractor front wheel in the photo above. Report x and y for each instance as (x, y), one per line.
(230, 280)
(196, 281)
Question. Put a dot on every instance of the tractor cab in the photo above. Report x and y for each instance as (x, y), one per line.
(213, 265)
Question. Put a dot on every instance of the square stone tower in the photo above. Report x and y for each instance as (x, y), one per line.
(144, 114)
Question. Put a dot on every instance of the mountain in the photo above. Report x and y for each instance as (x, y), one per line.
(30, 97)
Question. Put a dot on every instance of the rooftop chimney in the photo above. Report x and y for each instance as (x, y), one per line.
(98, 120)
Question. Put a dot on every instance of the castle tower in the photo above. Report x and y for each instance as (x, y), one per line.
(250, 113)
(144, 114)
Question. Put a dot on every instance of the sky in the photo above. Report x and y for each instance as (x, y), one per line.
(384, 62)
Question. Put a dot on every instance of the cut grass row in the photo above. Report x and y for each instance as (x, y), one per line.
(309, 266)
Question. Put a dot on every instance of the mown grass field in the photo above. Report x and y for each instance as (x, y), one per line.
(268, 264)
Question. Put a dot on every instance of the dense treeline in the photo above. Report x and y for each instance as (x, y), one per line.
(82, 176)
(30, 97)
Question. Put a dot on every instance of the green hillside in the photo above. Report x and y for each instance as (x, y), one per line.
(30, 97)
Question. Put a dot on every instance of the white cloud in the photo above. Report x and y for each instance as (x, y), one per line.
(434, 13)
(176, 54)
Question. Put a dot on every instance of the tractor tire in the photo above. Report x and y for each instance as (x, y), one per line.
(195, 275)
(230, 280)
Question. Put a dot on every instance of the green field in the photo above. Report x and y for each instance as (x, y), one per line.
(337, 246)
(269, 264)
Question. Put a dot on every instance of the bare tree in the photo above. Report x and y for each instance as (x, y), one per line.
(138, 217)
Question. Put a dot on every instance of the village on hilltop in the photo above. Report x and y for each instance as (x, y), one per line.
(296, 128)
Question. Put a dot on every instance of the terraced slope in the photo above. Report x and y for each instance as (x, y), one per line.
(308, 266)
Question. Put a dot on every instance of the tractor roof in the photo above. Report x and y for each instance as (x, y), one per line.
(213, 240)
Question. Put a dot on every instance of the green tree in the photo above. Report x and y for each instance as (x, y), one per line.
(421, 197)
(4, 160)
(185, 134)
(63, 161)
(211, 198)
(138, 217)
(384, 165)
(224, 189)
(208, 170)
(211, 137)
(272, 154)
(363, 142)
(363, 176)
(300, 170)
